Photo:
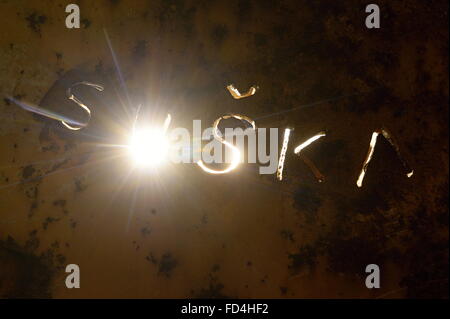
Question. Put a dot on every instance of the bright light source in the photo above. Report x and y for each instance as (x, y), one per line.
(149, 147)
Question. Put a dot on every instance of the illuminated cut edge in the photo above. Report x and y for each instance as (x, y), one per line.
(234, 163)
(72, 97)
(237, 95)
(236, 154)
(309, 141)
(287, 133)
(373, 142)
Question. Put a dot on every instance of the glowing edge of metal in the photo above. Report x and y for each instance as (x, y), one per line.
(236, 154)
(373, 142)
(237, 95)
(309, 141)
(287, 133)
(72, 97)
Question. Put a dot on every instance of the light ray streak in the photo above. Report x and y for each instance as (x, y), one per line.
(72, 97)
(237, 95)
(287, 133)
(107, 145)
(373, 142)
(167, 122)
(90, 172)
(236, 155)
(59, 171)
(61, 159)
(120, 98)
(41, 111)
(121, 184)
(119, 72)
(331, 99)
(136, 118)
(53, 116)
(133, 204)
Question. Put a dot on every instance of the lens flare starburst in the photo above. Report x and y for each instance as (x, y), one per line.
(149, 147)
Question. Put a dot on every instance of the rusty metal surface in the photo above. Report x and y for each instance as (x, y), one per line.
(185, 233)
